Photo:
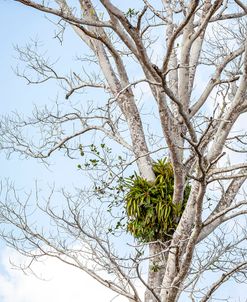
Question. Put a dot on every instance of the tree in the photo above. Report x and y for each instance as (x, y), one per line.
(196, 39)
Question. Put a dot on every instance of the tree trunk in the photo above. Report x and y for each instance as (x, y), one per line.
(156, 271)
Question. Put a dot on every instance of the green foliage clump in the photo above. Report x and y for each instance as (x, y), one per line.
(151, 213)
(131, 12)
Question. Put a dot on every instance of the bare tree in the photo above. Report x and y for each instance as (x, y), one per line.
(196, 39)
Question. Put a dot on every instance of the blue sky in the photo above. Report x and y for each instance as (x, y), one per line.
(18, 24)
(25, 24)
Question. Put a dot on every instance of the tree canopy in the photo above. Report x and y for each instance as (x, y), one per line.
(151, 110)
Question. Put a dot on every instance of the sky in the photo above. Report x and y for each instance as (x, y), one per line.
(19, 24)
(54, 282)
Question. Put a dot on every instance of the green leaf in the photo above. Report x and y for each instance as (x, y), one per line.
(149, 208)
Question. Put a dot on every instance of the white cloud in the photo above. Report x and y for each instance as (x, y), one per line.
(62, 283)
